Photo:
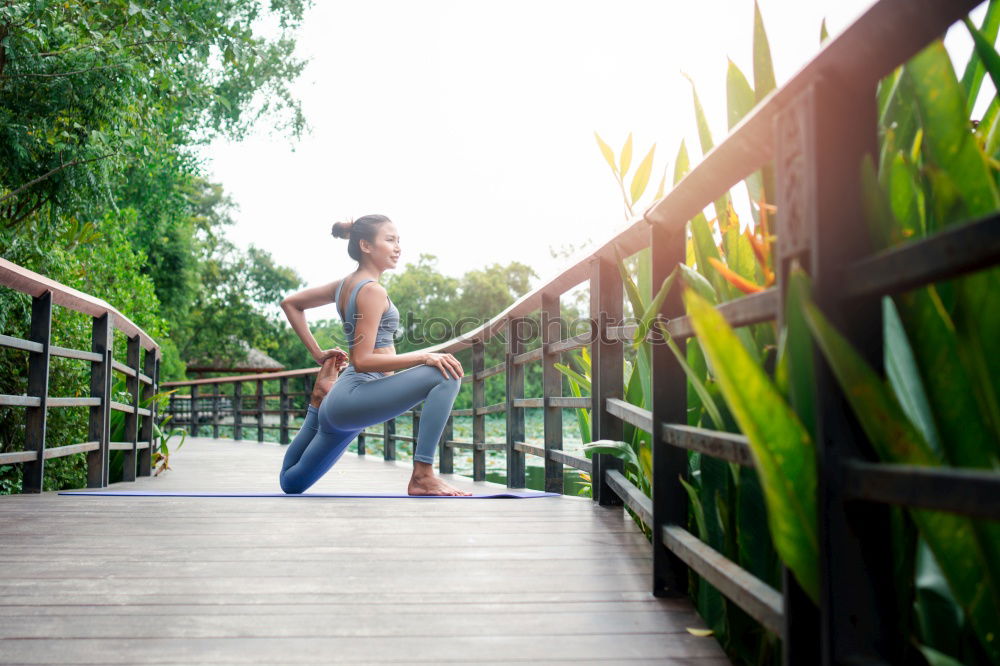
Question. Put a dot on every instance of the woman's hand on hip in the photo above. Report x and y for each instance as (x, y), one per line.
(446, 363)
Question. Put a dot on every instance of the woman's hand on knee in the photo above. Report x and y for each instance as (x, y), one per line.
(446, 363)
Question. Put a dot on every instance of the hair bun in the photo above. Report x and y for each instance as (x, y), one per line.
(342, 229)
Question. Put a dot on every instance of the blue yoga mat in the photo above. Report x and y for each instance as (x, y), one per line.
(526, 494)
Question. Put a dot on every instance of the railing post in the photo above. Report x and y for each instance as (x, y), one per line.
(446, 454)
(389, 440)
(283, 406)
(260, 410)
(361, 443)
(478, 420)
(607, 371)
(38, 386)
(215, 411)
(821, 140)
(237, 410)
(515, 415)
(149, 364)
(100, 416)
(194, 410)
(669, 401)
(416, 429)
(551, 387)
(131, 458)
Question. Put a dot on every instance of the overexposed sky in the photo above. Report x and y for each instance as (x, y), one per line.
(471, 124)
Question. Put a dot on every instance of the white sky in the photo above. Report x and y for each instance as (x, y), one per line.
(471, 124)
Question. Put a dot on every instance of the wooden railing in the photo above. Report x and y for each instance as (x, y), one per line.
(814, 132)
(140, 369)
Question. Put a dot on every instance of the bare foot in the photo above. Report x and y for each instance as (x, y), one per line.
(433, 486)
(325, 380)
(423, 482)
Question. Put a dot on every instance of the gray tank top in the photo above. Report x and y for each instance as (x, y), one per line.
(387, 325)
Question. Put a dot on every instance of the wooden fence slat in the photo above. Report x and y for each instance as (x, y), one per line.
(65, 352)
(551, 328)
(725, 445)
(283, 402)
(669, 402)
(237, 410)
(100, 388)
(38, 386)
(145, 463)
(131, 458)
(388, 440)
(757, 598)
(18, 343)
(515, 391)
(446, 456)
(607, 368)
(478, 418)
(260, 410)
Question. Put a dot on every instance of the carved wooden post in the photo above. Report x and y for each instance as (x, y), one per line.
(446, 454)
(215, 410)
(260, 410)
(283, 406)
(194, 410)
(515, 415)
(669, 406)
(237, 410)
(38, 387)
(607, 370)
(149, 364)
(478, 419)
(821, 140)
(100, 415)
(130, 456)
(551, 387)
(389, 440)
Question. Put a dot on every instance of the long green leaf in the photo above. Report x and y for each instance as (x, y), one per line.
(798, 351)
(904, 376)
(739, 95)
(651, 312)
(626, 156)
(986, 52)
(682, 163)
(695, 382)
(574, 376)
(948, 142)
(957, 543)
(956, 160)
(705, 138)
(763, 68)
(781, 446)
(972, 78)
(641, 177)
(609, 155)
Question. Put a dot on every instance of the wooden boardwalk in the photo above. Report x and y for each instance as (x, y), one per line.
(116, 580)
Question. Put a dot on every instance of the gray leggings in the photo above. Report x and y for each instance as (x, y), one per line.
(357, 401)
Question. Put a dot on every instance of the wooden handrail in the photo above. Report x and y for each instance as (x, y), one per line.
(28, 282)
(141, 382)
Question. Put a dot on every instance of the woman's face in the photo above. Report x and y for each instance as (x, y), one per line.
(384, 251)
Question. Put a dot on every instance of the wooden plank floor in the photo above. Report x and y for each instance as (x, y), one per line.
(101, 580)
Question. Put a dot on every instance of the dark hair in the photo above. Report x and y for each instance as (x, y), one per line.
(363, 228)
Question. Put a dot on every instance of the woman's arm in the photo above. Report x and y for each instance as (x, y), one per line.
(370, 305)
(295, 306)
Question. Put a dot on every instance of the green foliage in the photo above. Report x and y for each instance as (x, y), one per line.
(101, 104)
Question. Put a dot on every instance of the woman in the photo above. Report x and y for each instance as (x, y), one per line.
(368, 391)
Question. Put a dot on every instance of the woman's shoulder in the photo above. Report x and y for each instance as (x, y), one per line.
(372, 293)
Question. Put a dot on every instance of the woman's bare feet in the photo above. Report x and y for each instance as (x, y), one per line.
(326, 378)
(423, 482)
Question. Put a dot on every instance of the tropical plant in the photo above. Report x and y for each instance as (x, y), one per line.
(935, 169)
